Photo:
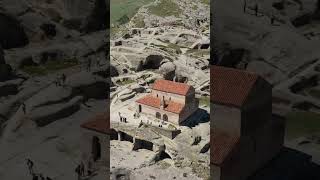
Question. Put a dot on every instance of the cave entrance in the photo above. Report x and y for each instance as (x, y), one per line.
(165, 117)
(162, 155)
(153, 62)
(96, 148)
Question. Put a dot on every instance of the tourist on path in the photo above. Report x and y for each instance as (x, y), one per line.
(90, 166)
(35, 177)
(24, 109)
(63, 78)
(82, 169)
(30, 166)
(78, 172)
(89, 65)
(256, 9)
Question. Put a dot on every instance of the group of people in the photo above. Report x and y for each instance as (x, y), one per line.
(81, 170)
(197, 140)
(89, 64)
(122, 119)
(61, 81)
(256, 12)
(136, 115)
(34, 175)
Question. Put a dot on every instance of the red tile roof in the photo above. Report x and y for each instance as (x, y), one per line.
(222, 145)
(230, 86)
(100, 123)
(171, 106)
(171, 87)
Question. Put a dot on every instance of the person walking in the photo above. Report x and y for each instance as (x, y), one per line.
(272, 19)
(98, 62)
(30, 166)
(24, 109)
(256, 9)
(58, 80)
(56, 83)
(81, 169)
(63, 78)
(77, 170)
(90, 166)
(89, 64)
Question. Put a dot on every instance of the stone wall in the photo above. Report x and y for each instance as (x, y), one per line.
(174, 97)
(188, 110)
(227, 119)
(172, 117)
(255, 150)
(215, 172)
(166, 132)
(86, 147)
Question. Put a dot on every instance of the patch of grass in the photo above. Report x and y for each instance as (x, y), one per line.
(171, 127)
(50, 66)
(125, 82)
(123, 9)
(170, 47)
(139, 22)
(198, 52)
(165, 8)
(302, 123)
(315, 93)
(35, 70)
(118, 31)
(202, 53)
(194, 7)
(204, 100)
(206, 2)
(175, 47)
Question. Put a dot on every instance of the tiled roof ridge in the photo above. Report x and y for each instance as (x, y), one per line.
(149, 100)
(231, 86)
(99, 123)
(171, 87)
(223, 145)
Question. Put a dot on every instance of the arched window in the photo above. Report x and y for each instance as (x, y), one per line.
(140, 108)
(158, 115)
(96, 148)
(165, 117)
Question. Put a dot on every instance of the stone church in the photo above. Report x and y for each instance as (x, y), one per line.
(169, 101)
(96, 137)
(244, 136)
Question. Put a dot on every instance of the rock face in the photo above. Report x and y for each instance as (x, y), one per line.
(12, 34)
(98, 19)
(5, 69)
(122, 174)
(49, 29)
(9, 87)
(47, 114)
(2, 56)
(88, 85)
(168, 70)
